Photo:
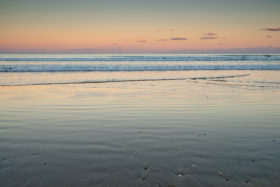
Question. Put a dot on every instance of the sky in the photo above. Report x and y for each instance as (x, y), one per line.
(134, 26)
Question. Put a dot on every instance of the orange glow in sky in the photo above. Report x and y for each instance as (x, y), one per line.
(131, 26)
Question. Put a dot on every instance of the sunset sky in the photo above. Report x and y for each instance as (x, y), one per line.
(140, 26)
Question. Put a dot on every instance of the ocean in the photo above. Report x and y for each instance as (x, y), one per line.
(139, 120)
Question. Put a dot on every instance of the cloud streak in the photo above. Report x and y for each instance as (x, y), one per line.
(272, 29)
(211, 34)
(161, 40)
(165, 30)
(178, 38)
(208, 38)
(142, 41)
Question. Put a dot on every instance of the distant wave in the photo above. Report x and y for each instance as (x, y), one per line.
(153, 58)
(66, 63)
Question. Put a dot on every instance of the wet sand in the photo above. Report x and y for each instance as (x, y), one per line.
(192, 132)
